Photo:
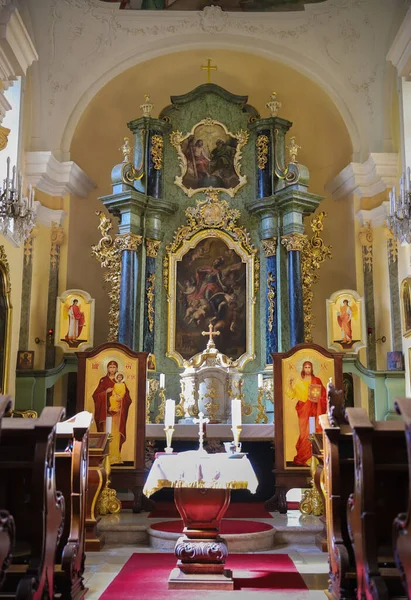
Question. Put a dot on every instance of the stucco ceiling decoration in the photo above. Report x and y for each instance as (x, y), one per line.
(334, 43)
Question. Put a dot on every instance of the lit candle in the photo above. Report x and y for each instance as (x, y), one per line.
(162, 381)
(312, 424)
(109, 422)
(236, 412)
(260, 380)
(170, 412)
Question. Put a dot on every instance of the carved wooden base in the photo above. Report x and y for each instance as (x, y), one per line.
(278, 502)
(201, 552)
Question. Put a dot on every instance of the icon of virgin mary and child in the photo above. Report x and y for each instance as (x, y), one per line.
(112, 400)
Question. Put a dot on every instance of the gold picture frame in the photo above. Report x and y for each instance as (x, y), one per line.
(346, 322)
(211, 236)
(405, 299)
(209, 158)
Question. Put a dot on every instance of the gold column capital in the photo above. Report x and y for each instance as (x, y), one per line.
(269, 246)
(152, 247)
(392, 245)
(128, 241)
(365, 237)
(294, 242)
(57, 235)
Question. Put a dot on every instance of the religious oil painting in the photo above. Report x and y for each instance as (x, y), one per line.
(209, 157)
(25, 359)
(226, 5)
(111, 391)
(305, 375)
(74, 321)
(212, 284)
(345, 321)
(406, 306)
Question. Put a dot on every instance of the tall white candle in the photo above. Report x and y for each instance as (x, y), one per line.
(162, 381)
(170, 412)
(312, 424)
(147, 387)
(260, 380)
(109, 422)
(236, 412)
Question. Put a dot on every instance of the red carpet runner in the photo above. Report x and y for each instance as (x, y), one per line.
(227, 526)
(236, 510)
(145, 576)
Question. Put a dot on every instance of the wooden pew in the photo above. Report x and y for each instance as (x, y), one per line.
(27, 473)
(97, 478)
(6, 520)
(402, 522)
(71, 480)
(380, 492)
(338, 484)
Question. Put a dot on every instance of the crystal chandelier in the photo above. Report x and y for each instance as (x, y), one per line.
(17, 213)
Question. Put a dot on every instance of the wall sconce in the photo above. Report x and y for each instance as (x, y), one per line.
(49, 338)
(37, 340)
(382, 339)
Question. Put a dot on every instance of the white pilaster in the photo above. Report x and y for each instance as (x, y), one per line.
(400, 52)
(47, 216)
(366, 179)
(376, 216)
(56, 178)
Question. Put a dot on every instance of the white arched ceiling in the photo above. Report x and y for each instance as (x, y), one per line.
(340, 45)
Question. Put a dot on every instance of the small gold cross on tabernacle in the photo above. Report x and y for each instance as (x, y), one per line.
(211, 334)
(208, 68)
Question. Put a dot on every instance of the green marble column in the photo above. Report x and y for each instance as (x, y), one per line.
(57, 238)
(392, 257)
(26, 293)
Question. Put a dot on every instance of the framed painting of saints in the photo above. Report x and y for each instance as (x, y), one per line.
(346, 322)
(210, 157)
(74, 329)
(300, 380)
(213, 284)
(111, 384)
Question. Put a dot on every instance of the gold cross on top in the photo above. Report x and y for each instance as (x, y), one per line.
(208, 68)
(211, 334)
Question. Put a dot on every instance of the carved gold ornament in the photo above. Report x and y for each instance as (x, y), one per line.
(289, 173)
(273, 104)
(392, 245)
(366, 240)
(153, 385)
(129, 174)
(4, 133)
(262, 151)
(271, 300)
(150, 300)
(313, 255)
(162, 408)
(176, 140)
(269, 246)
(108, 253)
(57, 238)
(157, 145)
(293, 149)
(294, 242)
(261, 415)
(152, 247)
(211, 218)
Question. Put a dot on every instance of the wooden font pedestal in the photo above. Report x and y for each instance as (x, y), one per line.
(201, 552)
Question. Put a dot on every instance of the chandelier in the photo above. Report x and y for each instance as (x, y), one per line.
(17, 213)
(399, 220)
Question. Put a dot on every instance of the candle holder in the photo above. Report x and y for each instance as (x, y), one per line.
(237, 429)
(169, 429)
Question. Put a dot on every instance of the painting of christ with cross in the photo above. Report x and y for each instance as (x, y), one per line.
(211, 280)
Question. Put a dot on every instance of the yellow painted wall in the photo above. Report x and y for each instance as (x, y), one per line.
(15, 261)
(320, 131)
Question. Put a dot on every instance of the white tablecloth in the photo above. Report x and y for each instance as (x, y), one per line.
(194, 469)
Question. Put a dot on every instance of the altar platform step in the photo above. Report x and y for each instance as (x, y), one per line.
(292, 529)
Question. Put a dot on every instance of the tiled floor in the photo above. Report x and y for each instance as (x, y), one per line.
(102, 567)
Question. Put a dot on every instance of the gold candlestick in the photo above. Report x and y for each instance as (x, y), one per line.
(169, 429)
(311, 502)
(237, 429)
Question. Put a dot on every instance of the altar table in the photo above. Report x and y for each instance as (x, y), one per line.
(202, 483)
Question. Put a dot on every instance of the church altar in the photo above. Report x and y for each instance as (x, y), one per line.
(202, 484)
(218, 431)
